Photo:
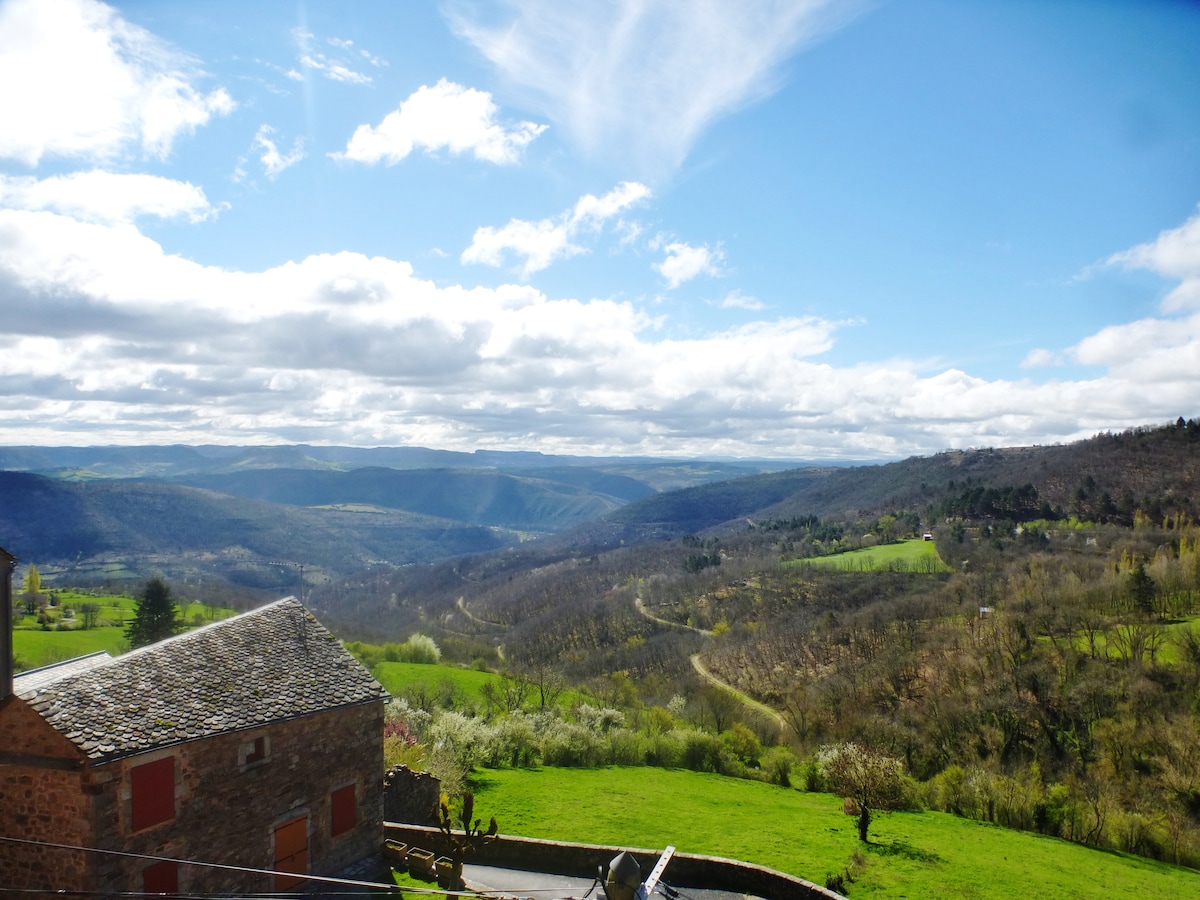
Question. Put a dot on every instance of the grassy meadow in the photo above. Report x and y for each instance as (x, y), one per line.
(62, 635)
(905, 556)
(406, 679)
(918, 855)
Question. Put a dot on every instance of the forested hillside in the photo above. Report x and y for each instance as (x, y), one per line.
(1049, 680)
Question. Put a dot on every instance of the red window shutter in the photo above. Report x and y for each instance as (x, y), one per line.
(344, 811)
(291, 853)
(152, 788)
(161, 878)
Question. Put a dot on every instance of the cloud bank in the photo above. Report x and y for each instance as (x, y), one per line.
(110, 338)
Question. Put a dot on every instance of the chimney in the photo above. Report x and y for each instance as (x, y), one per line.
(8, 562)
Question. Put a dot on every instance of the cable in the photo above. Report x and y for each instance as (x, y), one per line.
(267, 895)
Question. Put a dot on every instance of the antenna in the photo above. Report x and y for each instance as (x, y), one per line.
(294, 565)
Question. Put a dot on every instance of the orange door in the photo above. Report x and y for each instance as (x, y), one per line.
(291, 852)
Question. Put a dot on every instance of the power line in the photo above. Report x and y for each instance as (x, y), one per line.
(278, 895)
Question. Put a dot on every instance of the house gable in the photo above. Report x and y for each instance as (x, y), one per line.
(271, 664)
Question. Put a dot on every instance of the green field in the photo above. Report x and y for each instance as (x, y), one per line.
(906, 556)
(406, 679)
(66, 637)
(919, 855)
(457, 688)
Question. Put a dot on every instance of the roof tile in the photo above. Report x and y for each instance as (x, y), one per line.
(276, 662)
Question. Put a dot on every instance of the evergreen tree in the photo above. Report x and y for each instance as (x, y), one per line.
(154, 616)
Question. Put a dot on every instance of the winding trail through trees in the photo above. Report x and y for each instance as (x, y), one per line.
(462, 608)
(709, 677)
(641, 608)
(745, 699)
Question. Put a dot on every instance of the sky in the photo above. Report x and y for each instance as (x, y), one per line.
(816, 229)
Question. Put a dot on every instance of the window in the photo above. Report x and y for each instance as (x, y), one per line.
(152, 793)
(344, 810)
(254, 752)
(259, 753)
(161, 878)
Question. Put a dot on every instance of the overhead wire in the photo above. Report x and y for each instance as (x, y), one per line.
(264, 895)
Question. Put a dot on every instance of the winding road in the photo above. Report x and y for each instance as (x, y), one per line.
(709, 677)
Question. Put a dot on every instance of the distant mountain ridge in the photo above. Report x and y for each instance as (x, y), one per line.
(233, 512)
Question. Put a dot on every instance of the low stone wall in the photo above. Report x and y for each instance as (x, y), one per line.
(411, 797)
(585, 860)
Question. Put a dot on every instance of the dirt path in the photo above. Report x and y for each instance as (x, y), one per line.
(641, 608)
(745, 699)
(462, 608)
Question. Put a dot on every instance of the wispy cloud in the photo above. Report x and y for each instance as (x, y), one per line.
(629, 78)
(92, 85)
(547, 240)
(447, 117)
(685, 262)
(334, 68)
(109, 197)
(738, 300)
(272, 160)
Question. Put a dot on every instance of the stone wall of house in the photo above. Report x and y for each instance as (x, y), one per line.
(227, 807)
(45, 795)
(410, 796)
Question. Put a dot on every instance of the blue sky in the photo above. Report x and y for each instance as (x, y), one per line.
(797, 230)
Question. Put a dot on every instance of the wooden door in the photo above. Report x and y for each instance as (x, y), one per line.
(291, 852)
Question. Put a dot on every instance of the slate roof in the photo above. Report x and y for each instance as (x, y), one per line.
(31, 679)
(273, 663)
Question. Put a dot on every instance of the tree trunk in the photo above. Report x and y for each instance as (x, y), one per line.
(864, 822)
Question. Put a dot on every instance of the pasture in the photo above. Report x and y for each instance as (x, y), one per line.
(905, 556)
(911, 854)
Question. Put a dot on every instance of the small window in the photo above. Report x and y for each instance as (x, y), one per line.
(254, 751)
(344, 810)
(152, 793)
(161, 878)
(259, 753)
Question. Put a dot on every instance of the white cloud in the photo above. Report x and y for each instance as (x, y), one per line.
(628, 77)
(685, 262)
(738, 300)
(108, 335)
(448, 117)
(1040, 358)
(92, 85)
(273, 161)
(547, 240)
(111, 197)
(1175, 253)
(333, 69)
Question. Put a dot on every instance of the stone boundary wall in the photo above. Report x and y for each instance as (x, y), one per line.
(584, 860)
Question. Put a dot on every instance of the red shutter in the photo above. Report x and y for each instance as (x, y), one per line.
(161, 878)
(344, 811)
(291, 852)
(152, 789)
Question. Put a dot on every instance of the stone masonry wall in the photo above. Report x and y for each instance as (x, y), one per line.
(227, 808)
(45, 795)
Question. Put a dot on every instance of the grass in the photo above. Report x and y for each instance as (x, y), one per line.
(454, 687)
(927, 855)
(35, 646)
(905, 556)
(466, 685)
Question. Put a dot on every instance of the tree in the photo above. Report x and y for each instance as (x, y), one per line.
(33, 589)
(873, 780)
(154, 617)
(91, 614)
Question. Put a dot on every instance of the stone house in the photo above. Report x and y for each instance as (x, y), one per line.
(254, 742)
